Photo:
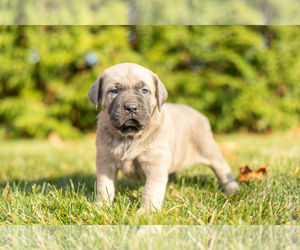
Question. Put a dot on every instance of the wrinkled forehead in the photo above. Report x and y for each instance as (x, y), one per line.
(128, 76)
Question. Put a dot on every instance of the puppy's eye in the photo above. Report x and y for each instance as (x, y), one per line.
(145, 91)
(114, 91)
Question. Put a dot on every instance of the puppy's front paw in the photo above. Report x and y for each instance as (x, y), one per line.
(99, 203)
(147, 230)
(231, 187)
(147, 208)
(103, 203)
(142, 210)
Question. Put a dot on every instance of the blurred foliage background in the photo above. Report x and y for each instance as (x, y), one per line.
(244, 78)
(188, 12)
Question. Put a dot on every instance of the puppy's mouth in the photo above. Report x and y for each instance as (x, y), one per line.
(130, 126)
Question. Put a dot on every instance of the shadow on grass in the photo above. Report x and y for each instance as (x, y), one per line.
(88, 183)
(77, 180)
(201, 181)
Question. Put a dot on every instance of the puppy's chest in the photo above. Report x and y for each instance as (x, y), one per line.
(126, 151)
(132, 170)
(127, 154)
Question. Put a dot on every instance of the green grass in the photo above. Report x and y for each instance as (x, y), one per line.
(140, 237)
(41, 184)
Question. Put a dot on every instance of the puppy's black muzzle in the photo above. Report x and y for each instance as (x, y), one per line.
(129, 113)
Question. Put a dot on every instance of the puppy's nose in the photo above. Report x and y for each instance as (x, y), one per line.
(131, 107)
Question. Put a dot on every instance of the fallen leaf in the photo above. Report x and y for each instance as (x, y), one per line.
(246, 173)
(56, 140)
(295, 171)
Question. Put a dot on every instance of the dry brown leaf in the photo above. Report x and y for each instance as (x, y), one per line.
(56, 140)
(246, 173)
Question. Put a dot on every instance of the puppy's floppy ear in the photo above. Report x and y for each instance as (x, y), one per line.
(95, 91)
(161, 93)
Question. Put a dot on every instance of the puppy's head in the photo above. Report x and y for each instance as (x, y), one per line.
(129, 95)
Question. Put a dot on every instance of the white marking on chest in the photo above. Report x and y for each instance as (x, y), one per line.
(126, 150)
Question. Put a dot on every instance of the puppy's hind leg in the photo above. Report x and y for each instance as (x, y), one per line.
(210, 154)
(223, 171)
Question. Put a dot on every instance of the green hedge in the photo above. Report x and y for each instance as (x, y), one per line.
(241, 77)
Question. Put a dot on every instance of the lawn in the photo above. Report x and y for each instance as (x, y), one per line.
(43, 184)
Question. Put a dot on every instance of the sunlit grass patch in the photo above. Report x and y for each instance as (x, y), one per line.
(41, 184)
